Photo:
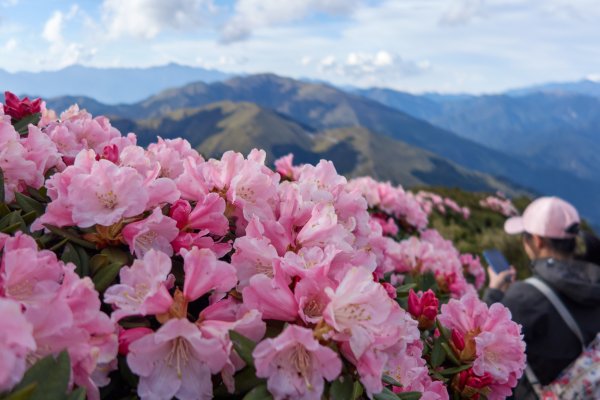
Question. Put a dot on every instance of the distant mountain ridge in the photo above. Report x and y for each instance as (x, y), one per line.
(108, 85)
(587, 87)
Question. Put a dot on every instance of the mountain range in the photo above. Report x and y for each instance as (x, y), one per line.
(540, 142)
(109, 85)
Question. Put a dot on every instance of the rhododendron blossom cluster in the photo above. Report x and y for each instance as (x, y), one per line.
(164, 274)
(500, 204)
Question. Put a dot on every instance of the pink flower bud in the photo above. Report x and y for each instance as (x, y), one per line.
(110, 153)
(391, 290)
(180, 212)
(414, 304)
(128, 336)
(424, 309)
(18, 109)
(458, 340)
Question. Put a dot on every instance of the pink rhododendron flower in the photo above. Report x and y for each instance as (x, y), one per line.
(358, 310)
(253, 256)
(250, 325)
(489, 338)
(27, 275)
(77, 131)
(142, 289)
(203, 273)
(17, 169)
(107, 194)
(285, 166)
(16, 342)
(170, 153)
(155, 232)
(176, 361)
(472, 266)
(272, 297)
(209, 214)
(296, 364)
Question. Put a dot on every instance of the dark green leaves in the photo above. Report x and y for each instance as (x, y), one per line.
(243, 346)
(258, 393)
(22, 124)
(49, 378)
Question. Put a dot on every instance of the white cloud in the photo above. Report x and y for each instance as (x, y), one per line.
(10, 45)
(145, 19)
(365, 65)
(254, 14)
(306, 60)
(461, 12)
(53, 28)
(62, 53)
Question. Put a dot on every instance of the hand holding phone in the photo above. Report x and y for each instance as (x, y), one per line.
(500, 272)
(496, 260)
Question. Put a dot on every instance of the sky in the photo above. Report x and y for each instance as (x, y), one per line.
(449, 46)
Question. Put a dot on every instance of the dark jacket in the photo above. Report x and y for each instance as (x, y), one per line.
(551, 346)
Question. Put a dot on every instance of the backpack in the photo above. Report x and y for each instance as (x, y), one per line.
(581, 379)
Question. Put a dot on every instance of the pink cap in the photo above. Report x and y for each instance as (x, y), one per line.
(549, 217)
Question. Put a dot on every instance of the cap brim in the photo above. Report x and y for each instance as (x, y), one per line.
(514, 226)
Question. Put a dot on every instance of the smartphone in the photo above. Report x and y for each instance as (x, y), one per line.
(496, 260)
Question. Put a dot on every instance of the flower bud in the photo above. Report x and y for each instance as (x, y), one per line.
(180, 212)
(424, 309)
(128, 336)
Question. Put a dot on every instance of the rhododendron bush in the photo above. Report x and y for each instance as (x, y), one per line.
(156, 272)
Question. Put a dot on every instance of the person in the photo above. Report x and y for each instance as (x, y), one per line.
(549, 227)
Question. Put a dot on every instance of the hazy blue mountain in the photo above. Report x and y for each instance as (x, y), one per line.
(551, 130)
(108, 85)
(586, 87)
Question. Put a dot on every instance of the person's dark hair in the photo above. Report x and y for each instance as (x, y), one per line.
(566, 247)
(592, 248)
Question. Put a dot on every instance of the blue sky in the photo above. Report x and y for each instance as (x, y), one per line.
(475, 46)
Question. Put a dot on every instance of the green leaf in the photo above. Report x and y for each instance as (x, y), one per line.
(437, 353)
(77, 394)
(51, 377)
(341, 388)
(106, 275)
(450, 354)
(39, 194)
(78, 256)
(4, 210)
(391, 381)
(246, 379)
(97, 262)
(409, 395)
(385, 394)
(28, 204)
(455, 370)
(12, 222)
(83, 269)
(21, 394)
(70, 254)
(404, 289)
(357, 390)
(446, 334)
(71, 236)
(22, 124)
(258, 393)
(243, 346)
(29, 217)
(428, 281)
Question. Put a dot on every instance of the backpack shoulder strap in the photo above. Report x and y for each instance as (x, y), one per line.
(558, 305)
